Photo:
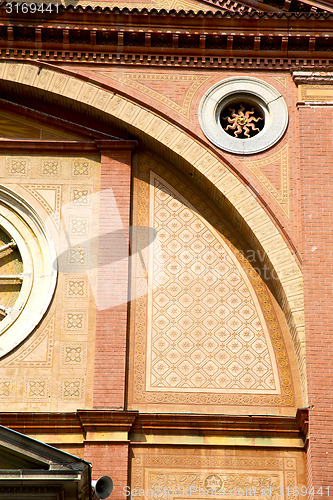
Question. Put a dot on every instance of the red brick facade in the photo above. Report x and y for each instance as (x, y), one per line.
(111, 322)
(106, 458)
(117, 114)
(316, 173)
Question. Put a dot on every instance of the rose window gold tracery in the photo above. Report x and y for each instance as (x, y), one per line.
(244, 123)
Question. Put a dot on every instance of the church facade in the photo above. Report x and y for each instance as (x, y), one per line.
(165, 243)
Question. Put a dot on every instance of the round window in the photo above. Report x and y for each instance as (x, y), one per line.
(11, 274)
(243, 115)
(27, 273)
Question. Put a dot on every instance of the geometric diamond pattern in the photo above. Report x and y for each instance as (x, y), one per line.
(207, 332)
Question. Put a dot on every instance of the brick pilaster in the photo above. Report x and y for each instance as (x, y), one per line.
(111, 459)
(316, 152)
(112, 280)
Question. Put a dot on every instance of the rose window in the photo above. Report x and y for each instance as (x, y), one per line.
(11, 273)
(242, 120)
(243, 115)
(27, 269)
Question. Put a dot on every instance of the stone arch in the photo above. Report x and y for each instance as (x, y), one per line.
(146, 124)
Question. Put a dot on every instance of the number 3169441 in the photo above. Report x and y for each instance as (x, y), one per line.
(31, 8)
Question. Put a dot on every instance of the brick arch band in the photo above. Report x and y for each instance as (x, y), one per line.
(150, 127)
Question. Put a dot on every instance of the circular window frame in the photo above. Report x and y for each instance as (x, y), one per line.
(34, 242)
(258, 92)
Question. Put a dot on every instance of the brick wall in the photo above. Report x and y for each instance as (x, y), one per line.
(112, 281)
(109, 459)
(316, 151)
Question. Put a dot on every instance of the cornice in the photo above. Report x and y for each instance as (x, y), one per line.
(111, 145)
(312, 77)
(59, 146)
(41, 145)
(85, 421)
(302, 418)
(226, 425)
(106, 420)
(250, 39)
(32, 423)
(81, 421)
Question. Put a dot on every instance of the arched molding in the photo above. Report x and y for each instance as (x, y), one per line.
(147, 125)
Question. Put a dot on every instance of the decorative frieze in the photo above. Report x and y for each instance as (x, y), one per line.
(272, 39)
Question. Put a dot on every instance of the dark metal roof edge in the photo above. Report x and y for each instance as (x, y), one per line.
(44, 451)
(45, 475)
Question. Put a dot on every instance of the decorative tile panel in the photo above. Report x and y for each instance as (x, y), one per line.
(51, 167)
(73, 354)
(37, 389)
(38, 351)
(76, 287)
(78, 259)
(273, 173)
(80, 195)
(188, 472)
(72, 388)
(79, 227)
(75, 321)
(206, 334)
(207, 330)
(48, 371)
(6, 388)
(18, 166)
(49, 196)
(163, 87)
(81, 168)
